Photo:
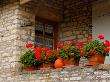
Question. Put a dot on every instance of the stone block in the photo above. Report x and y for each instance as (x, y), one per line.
(67, 33)
(69, 38)
(80, 36)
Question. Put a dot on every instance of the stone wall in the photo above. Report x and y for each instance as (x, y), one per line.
(73, 74)
(17, 27)
(8, 34)
(77, 20)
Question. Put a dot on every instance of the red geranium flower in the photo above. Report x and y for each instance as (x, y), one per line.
(65, 44)
(100, 36)
(89, 38)
(29, 45)
(38, 49)
(71, 43)
(65, 49)
(45, 49)
(80, 43)
(39, 57)
(60, 44)
(45, 58)
(82, 52)
(48, 53)
(106, 41)
(55, 52)
(107, 44)
(91, 52)
(106, 49)
(72, 54)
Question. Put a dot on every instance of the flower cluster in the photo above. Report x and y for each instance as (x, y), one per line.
(45, 55)
(66, 50)
(98, 46)
(70, 50)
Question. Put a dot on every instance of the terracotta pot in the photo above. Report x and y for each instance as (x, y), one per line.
(59, 63)
(71, 61)
(30, 68)
(96, 59)
(47, 65)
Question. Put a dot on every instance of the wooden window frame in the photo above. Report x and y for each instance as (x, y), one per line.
(55, 30)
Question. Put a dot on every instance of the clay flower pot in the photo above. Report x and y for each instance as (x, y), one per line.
(96, 59)
(71, 61)
(30, 68)
(59, 63)
(47, 65)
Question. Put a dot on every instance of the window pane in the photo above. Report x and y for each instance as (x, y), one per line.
(44, 35)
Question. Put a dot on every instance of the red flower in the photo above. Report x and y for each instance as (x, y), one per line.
(71, 43)
(89, 38)
(38, 49)
(60, 44)
(72, 54)
(82, 52)
(91, 52)
(107, 43)
(80, 43)
(106, 49)
(100, 36)
(45, 58)
(29, 45)
(65, 44)
(55, 52)
(39, 57)
(49, 52)
(45, 49)
(36, 53)
(65, 49)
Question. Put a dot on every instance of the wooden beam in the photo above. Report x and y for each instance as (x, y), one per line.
(24, 1)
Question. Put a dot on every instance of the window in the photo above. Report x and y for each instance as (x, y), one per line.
(45, 33)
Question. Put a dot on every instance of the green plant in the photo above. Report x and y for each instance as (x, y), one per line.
(29, 59)
(97, 46)
(67, 51)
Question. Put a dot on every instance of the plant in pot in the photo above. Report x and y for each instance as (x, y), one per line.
(69, 53)
(96, 50)
(28, 59)
(46, 56)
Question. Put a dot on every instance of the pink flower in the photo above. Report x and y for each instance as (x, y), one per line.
(100, 36)
(29, 45)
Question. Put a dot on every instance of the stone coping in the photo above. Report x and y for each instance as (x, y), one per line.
(70, 68)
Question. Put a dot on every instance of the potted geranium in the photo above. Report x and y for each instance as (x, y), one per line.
(96, 50)
(28, 59)
(46, 56)
(69, 52)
